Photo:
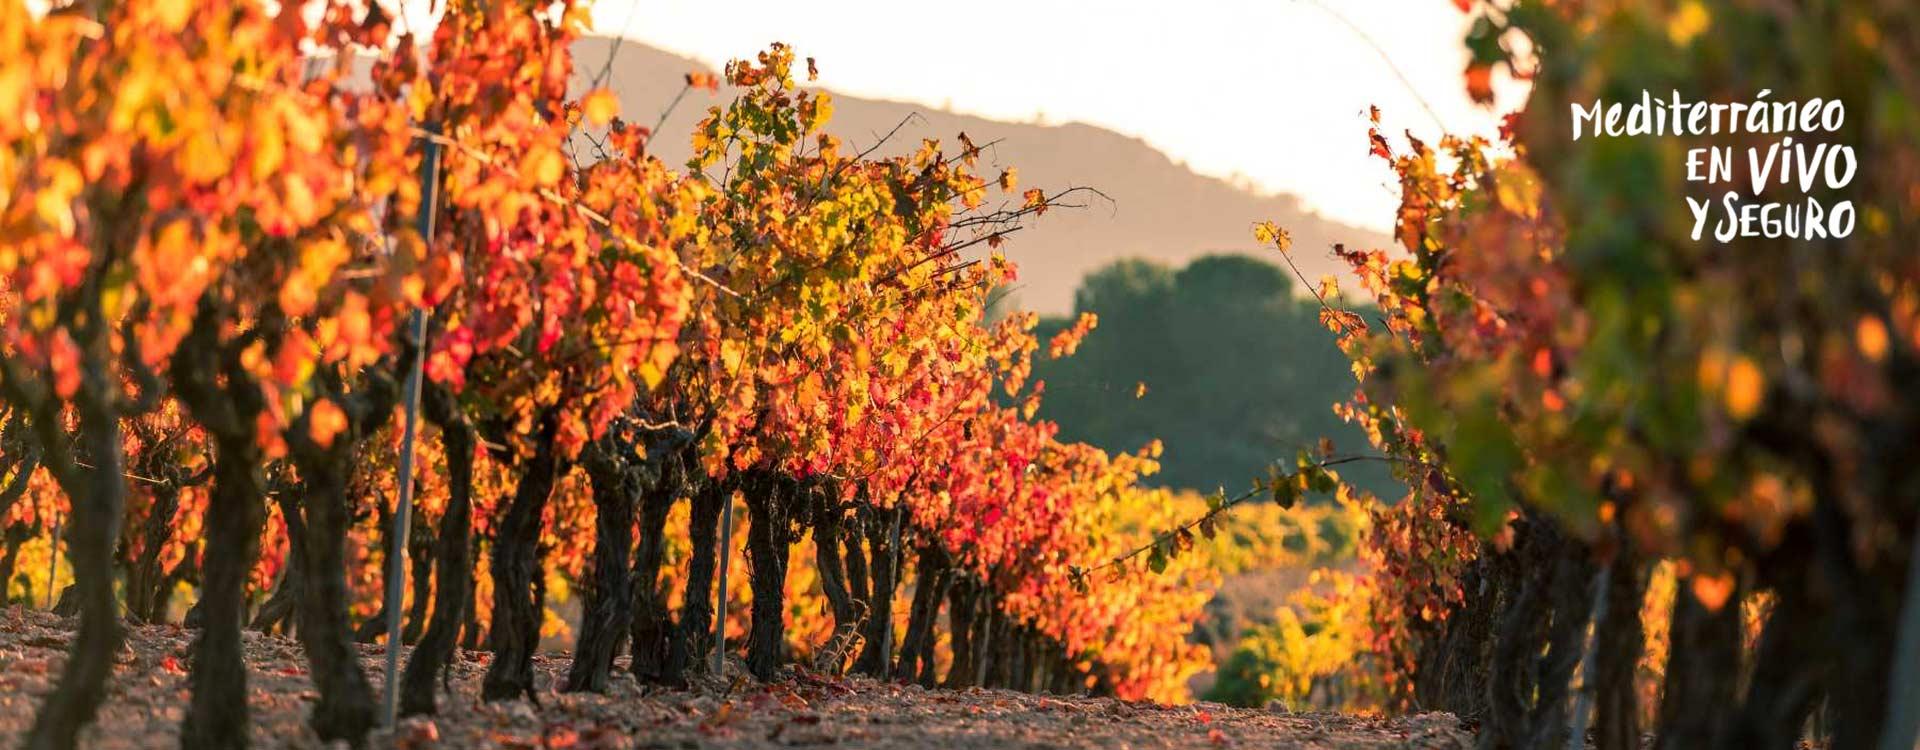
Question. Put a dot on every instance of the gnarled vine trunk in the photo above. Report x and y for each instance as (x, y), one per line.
(146, 584)
(1703, 670)
(1454, 662)
(453, 574)
(97, 498)
(375, 625)
(1618, 644)
(770, 508)
(1513, 676)
(212, 381)
(848, 614)
(519, 592)
(217, 716)
(420, 559)
(651, 636)
(16, 535)
(960, 617)
(279, 609)
(929, 593)
(882, 540)
(999, 642)
(693, 637)
(345, 707)
(1571, 599)
(1789, 673)
(609, 602)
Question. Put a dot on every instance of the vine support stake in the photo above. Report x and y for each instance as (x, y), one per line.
(1577, 722)
(720, 612)
(53, 560)
(1902, 728)
(403, 510)
(893, 576)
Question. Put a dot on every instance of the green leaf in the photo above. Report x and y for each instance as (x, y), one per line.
(1286, 491)
(1322, 480)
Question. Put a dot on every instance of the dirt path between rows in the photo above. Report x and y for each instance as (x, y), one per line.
(148, 695)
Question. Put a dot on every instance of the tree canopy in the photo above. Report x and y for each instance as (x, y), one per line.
(1221, 360)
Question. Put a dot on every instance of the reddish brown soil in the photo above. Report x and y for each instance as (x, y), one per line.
(148, 695)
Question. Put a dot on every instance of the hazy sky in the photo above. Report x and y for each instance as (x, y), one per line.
(1273, 91)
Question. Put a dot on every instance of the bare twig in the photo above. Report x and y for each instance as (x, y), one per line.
(1382, 52)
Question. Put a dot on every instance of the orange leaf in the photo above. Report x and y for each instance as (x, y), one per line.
(1871, 335)
(65, 360)
(561, 736)
(297, 297)
(1035, 198)
(325, 421)
(1713, 590)
(1480, 83)
(1746, 385)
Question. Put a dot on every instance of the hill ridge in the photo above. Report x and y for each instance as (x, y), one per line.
(1161, 208)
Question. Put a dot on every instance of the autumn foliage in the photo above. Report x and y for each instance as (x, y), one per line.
(246, 249)
(219, 218)
(1654, 483)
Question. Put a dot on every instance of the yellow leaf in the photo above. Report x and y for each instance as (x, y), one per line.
(203, 158)
(298, 200)
(731, 353)
(53, 204)
(319, 258)
(1688, 22)
(306, 130)
(600, 107)
(269, 147)
(816, 116)
(544, 166)
(1518, 192)
(420, 99)
(895, 363)
(1269, 233)
(173, 14)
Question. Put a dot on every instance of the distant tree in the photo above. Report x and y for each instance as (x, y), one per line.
(1237, 369)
